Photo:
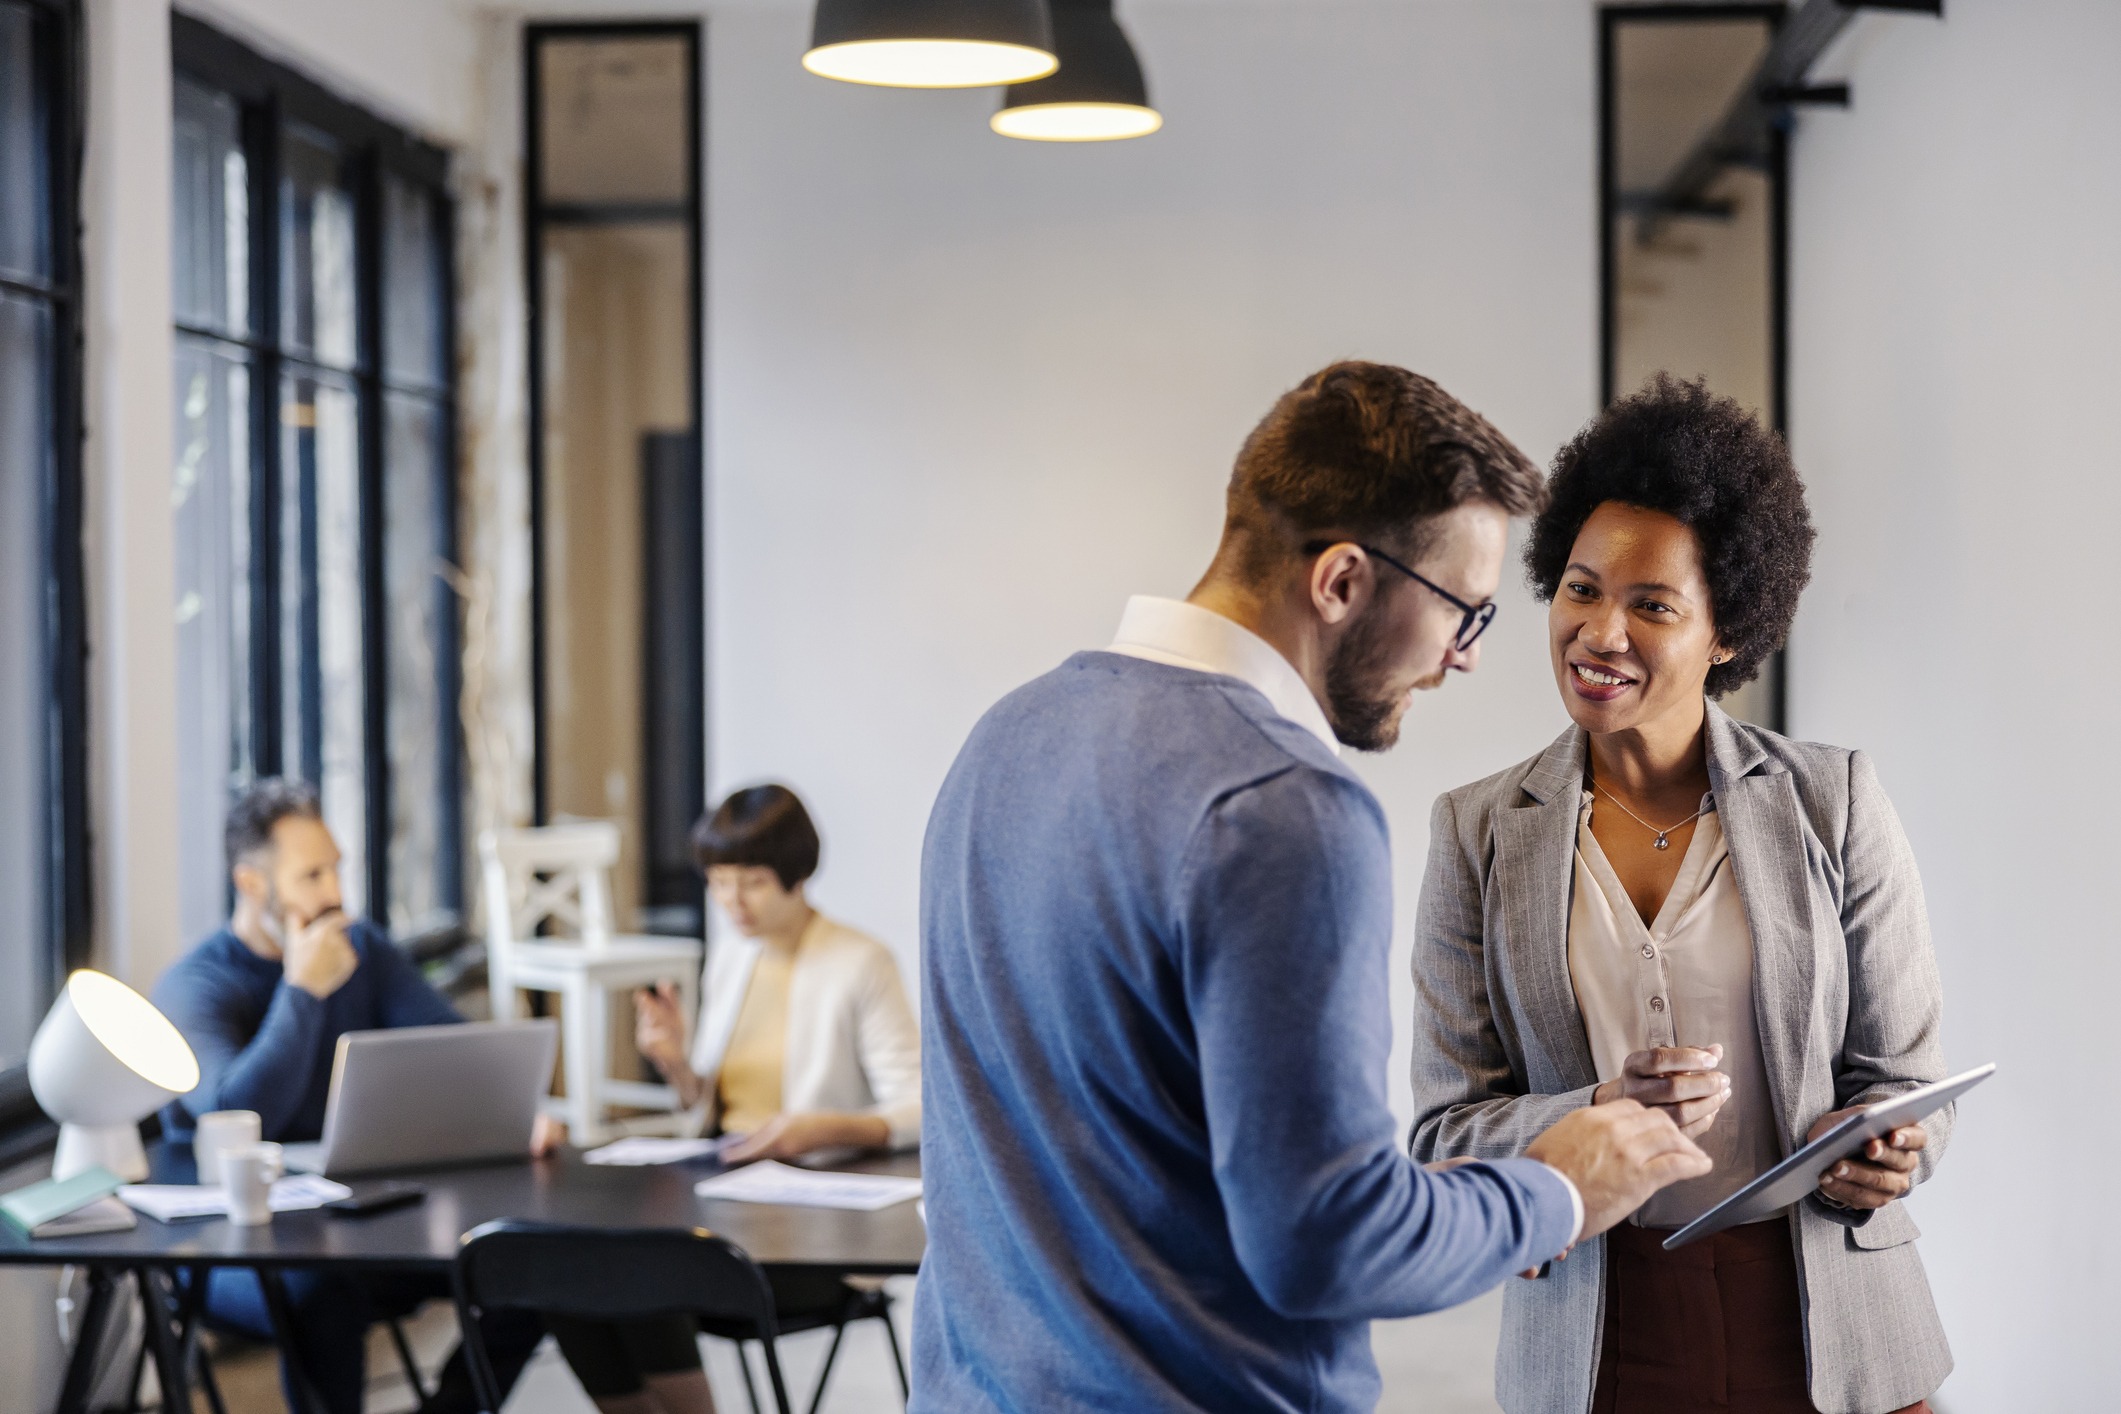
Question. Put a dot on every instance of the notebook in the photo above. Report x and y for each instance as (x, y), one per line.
(68, 1207)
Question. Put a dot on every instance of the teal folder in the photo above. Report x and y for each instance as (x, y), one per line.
(30, 1208)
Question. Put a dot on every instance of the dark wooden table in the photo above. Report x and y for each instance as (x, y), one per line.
(424, 1236)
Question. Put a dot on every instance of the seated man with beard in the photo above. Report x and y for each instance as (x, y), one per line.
(263, 1003)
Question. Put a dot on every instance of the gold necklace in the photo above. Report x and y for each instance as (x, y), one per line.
(1662, 842)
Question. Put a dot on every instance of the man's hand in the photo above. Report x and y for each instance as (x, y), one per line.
(318, 958)
(1680, 1080)
(1885, 1171)
(1617, 1155)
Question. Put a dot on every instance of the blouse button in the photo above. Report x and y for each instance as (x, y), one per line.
(1648, 951)
(1656, 1003)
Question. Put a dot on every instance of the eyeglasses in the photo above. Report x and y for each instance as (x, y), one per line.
(1477, 616)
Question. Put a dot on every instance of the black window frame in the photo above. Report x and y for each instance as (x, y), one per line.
(271, 98)
(67, 936)
(684, 789)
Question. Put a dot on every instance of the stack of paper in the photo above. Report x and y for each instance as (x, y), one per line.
(640, 1150)
(173, 1202)
(771, 1182)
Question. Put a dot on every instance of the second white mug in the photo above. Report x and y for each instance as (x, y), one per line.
(248, 1172)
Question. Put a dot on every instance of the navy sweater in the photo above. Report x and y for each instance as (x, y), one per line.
(267, 1046)
(1161, 1170)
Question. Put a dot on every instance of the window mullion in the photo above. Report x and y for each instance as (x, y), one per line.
(261, 139)
(66, 626)
(368, 296)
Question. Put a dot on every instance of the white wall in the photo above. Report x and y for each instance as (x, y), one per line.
(1954, 373)
(967, 394)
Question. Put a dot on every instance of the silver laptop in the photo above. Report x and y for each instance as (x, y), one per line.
(426, 1096)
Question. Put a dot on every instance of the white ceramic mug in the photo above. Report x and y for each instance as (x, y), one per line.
(219, 1130)
(248, 1172)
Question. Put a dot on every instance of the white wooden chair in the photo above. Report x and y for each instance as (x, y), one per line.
(561, 874)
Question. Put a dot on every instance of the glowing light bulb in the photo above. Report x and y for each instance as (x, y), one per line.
(929, 63)
(1077, 122)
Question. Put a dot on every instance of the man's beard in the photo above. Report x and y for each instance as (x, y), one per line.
(1365, 713)
(272, 919)
(282, 922)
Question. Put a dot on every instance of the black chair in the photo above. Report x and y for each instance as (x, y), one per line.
(809, 1301)
(609, 1274)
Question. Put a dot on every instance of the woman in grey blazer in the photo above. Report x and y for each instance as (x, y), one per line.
(1672, 906)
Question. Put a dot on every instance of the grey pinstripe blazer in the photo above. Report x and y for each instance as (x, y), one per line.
(1847, 997)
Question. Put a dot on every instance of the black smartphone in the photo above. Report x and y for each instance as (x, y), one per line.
(379, 1199)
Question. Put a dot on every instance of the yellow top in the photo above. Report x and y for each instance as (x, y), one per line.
(750, 1083)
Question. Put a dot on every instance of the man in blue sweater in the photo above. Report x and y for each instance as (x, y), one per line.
(263, 1003)
(1155, 913)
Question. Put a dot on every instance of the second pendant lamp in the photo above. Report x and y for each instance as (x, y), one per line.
(931, 43)
(1097, 95)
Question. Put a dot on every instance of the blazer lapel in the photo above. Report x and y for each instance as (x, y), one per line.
(728, 977)
(1763, 825)
(1535, 851)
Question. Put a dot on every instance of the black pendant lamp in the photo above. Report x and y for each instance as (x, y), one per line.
(931, 43)
(1098, 94)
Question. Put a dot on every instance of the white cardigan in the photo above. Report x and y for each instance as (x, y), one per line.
(852, 1044)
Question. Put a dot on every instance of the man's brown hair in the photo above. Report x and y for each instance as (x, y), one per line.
(1368, 451)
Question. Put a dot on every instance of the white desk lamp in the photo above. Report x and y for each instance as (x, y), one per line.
(103, 1060)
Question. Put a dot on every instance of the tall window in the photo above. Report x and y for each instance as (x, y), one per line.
(314, 487)
(43, 861)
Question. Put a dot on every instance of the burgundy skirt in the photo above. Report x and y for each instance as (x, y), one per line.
(1716, 1326)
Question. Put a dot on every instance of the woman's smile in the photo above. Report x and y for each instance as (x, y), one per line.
(1598, 684)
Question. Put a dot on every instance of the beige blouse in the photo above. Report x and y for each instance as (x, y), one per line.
(757, 1058)
(1684, 979)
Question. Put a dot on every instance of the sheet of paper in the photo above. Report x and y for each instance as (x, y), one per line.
(175, 1202)
(641, 1150)
(771, 1182)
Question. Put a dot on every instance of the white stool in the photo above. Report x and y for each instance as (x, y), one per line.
(560, 873)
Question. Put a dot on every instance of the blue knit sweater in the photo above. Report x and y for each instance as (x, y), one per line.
(1161, 1170)
(267, 1046)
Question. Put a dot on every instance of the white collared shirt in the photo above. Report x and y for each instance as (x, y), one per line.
(1188, 636)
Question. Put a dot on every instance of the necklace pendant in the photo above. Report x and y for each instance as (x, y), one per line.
(1662, 843)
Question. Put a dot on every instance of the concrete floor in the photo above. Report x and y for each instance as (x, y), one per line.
(1436, 1364)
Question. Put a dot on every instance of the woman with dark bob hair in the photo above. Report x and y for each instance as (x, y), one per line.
(1676, 908)
(805, 1043)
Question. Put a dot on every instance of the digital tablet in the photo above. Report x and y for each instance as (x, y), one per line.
(1798, 1174)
